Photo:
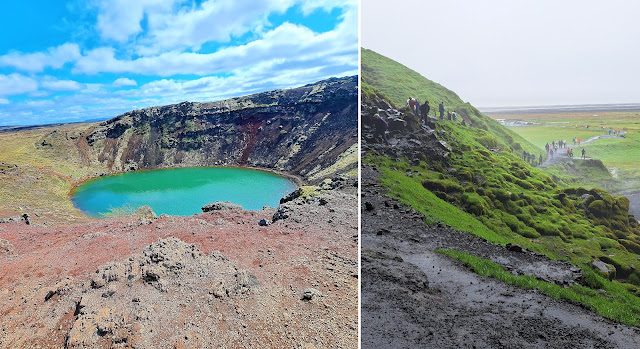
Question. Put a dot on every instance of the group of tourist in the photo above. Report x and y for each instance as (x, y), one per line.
(615, 132)
(418, 109)
(531, 158)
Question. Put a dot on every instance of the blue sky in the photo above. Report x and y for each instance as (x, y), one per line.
(74, 60)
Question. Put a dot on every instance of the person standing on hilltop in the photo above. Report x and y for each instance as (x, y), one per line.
(441, 110)
(540, 160)
(583, 153)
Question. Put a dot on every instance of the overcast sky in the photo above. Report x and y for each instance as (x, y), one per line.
(73, 60)
(514, 53)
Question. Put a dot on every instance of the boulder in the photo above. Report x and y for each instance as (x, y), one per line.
(281, 213)
(221, 206)
(291, 196)
(604, 269)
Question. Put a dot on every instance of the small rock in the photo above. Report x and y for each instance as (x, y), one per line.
(310, 293)
(514, 247)
(263, 223)
(368, 206)
(5, 247)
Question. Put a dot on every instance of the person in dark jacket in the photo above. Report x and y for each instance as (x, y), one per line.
(424, 110)
(441, 110)
(381, 127)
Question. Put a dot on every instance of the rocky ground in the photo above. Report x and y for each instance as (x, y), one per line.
(415, 297)
(217, 279)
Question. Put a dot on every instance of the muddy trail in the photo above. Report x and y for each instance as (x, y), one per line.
(414, 297)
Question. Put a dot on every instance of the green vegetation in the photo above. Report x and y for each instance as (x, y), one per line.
(613, 301)
(621, 156)
(126, 210)
(485, 188)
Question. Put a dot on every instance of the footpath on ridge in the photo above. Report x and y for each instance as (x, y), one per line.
(561, 155)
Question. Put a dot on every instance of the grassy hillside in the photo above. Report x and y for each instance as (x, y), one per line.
(383, 77)
(499, 197)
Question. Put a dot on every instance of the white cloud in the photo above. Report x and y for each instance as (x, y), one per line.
(124, 82)
(120, 19)
(293, 43)
(53, 84)
(309, 6)
(213, 21)
(15, 84)
(4, 101)
(55, 57)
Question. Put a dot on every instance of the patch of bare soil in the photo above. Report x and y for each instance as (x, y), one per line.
(217, 279)
(414, 297)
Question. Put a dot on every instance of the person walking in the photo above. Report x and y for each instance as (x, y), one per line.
(441, 110)
(583, 153)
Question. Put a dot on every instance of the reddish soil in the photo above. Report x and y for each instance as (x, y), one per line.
(48, 272)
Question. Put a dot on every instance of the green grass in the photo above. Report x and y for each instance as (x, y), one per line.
(410, 191)
(620, 155)
(615, 303)
(542, 134)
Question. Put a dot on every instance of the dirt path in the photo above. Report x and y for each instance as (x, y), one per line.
(415, 297)
(561, 155)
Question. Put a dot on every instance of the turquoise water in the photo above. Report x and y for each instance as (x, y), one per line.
(181, 191)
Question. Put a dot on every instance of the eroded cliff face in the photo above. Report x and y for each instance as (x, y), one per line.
(309, 131)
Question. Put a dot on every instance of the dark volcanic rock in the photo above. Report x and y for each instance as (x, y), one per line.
(221, 206)
(300, 131)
